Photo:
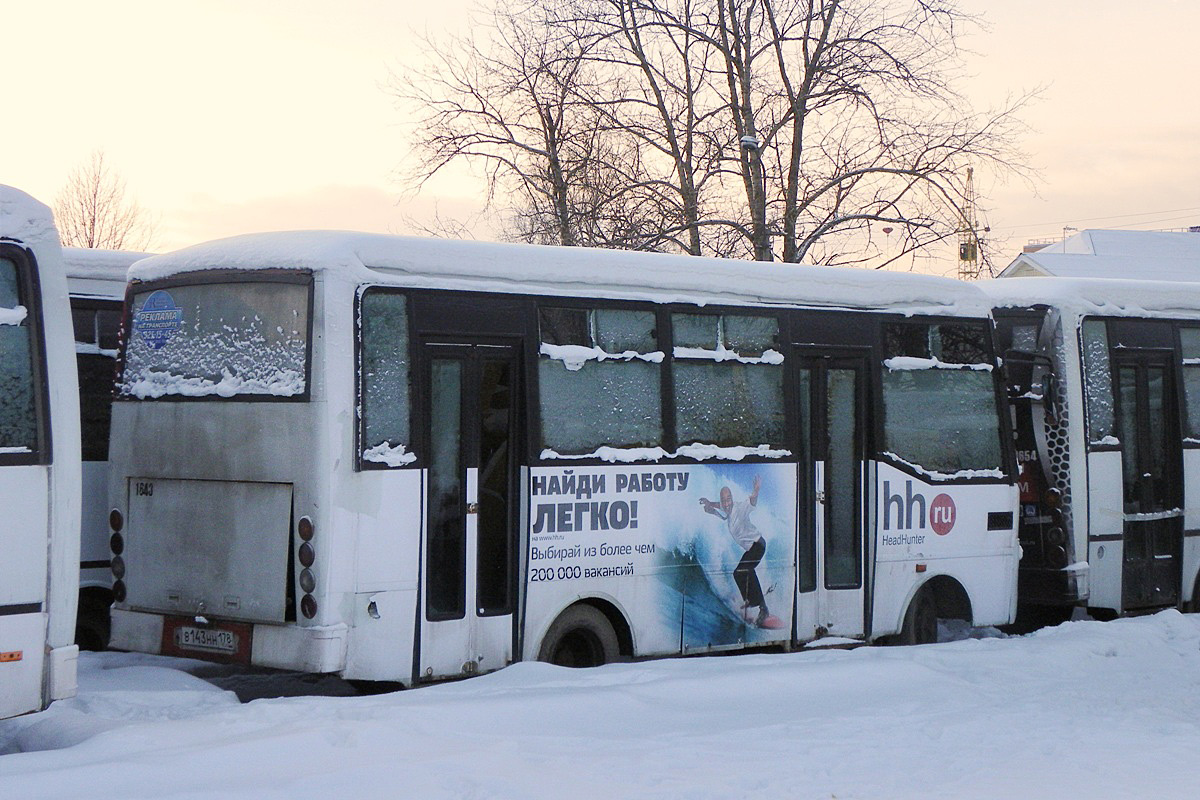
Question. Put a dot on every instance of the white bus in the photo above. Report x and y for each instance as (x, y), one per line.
(39, 462)
(1105, 392)
(403, 459)
(96, 283)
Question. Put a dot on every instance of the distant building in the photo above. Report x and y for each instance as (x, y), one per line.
(1152, 255)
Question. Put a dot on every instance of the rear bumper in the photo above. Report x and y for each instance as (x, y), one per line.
(64, 674)
(292, 647)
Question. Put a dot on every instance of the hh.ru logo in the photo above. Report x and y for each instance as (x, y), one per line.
(912, 508)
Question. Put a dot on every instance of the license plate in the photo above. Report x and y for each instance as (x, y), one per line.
(207, 639)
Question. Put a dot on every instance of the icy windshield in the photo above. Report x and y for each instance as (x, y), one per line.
(18, 418)
(229, 339)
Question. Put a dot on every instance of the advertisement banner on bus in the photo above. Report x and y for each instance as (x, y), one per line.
(700, 555)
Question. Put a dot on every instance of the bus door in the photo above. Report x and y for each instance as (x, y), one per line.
(1152, 468)
(830, 597)
(468, 583)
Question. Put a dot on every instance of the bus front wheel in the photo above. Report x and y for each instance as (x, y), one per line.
(920, 621)
(581, 637)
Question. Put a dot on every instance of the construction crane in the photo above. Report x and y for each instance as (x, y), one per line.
(968, 237)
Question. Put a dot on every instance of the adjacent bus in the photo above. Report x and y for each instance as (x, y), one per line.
(405, 460)
(39, 462)
(1104, 387)
(96, 283)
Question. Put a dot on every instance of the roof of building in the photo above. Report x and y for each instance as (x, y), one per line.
(1138, 255)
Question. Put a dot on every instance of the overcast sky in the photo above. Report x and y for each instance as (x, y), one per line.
(227, 116)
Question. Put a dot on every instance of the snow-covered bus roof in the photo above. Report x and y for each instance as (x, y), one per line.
(535, 269)
(98, 273)
(24, 219)
(1099, 296)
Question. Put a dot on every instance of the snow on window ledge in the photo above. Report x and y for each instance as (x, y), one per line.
(945, 476)
(89, 349)
(700, 452)
(1107, 441)
(4, 451)
(723, 354)
(389, 454)
(910, 363)
(574, 356)
(154, 384)
(614, 455)
(13, 316)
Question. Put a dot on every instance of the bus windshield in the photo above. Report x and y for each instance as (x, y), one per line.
(219, 340)
(18, 423)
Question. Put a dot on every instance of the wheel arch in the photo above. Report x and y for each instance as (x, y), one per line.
(952, 599)
(607, 605)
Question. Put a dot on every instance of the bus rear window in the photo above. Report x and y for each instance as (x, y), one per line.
(235, 339)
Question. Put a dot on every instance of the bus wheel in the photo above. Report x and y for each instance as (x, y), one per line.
(920, 621)
(581, 637)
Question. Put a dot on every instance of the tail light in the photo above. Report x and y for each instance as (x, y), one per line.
(1052, 498)
(307, 555)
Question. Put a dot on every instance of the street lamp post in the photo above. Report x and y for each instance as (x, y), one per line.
(758, 200)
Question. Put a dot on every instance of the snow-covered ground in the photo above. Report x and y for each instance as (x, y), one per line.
(1085, 710)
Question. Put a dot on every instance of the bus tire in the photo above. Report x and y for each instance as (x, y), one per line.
(581, 637)
(921, 620)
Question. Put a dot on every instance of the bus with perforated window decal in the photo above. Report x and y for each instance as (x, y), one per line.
(39, 462)
(1104, 385)
(406, 460)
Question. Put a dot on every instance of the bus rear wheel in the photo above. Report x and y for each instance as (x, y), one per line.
(581, 637)
(920, 621)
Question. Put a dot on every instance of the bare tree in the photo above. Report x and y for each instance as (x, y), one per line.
(752, 128)
(92, 210)
(847, 117)
(503, 99)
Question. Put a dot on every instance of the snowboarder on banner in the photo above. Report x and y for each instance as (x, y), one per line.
(743, 531)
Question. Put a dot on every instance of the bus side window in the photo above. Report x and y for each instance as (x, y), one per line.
(18, 413)
(728, 379)
(96, 353)
(939, 402)
(384, 383)
(1097, 381)
(599, 380)
(1189, 340)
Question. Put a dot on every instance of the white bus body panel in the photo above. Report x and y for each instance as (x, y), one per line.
(925, 530)
(387, 518)
(22, 636)
(1105, 517)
